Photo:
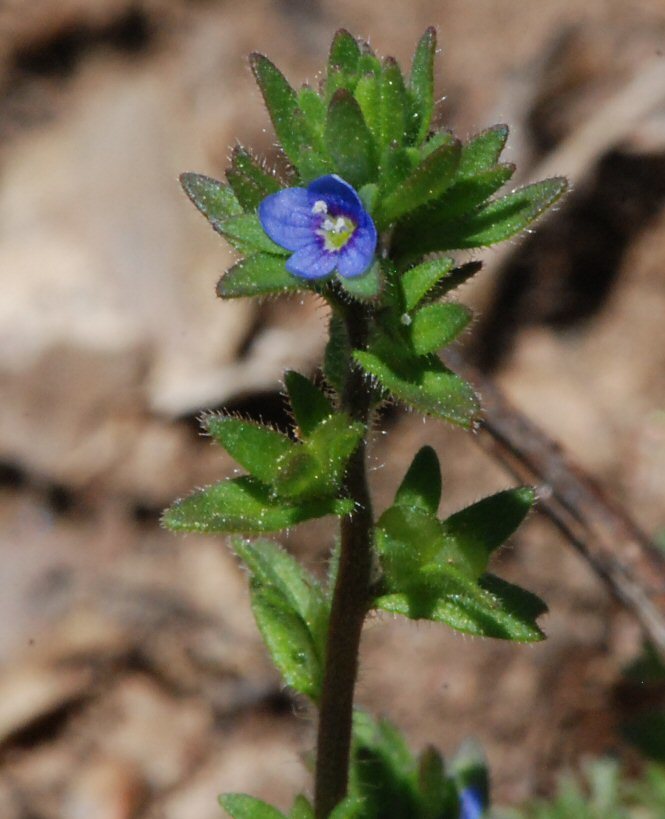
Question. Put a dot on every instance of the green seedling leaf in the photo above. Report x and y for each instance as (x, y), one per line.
(213, 199)
(427, 182)
(421, 487)
(383, 771)
(254, 446)
(314, 110)
(316, 468)
(438, 794)
(241, 806)
(396, 166)
(481, 528)
(421, 86)
(482, 152)
(367, 94)
(366, 287)
(457, 277)
(343, 63)
(499, 219)
(262, 274)
(463, 605)
(293, 133)
(245, 505)
(436, 325)
(419, 280)
(247, 235)
(350, 808)
(421, 382)
(393, 105)
(288, 640)
(302, 809)
(251, 182)
(310, 406)
(349, 141)
(271, 566)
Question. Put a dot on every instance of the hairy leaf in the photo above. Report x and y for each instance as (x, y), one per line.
(251, 183)
(421, 86)
(349, 141)
(436, 325)
(419, 280)
(259, 275)
(213, 199)
(255, 446)
(421, 486)
(310, 406)
(241, 806)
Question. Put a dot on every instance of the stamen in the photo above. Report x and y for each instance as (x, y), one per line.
(320, 206)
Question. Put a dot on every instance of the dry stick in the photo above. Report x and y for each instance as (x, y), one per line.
(597, 527)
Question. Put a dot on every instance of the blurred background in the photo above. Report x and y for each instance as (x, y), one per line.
(133, 684)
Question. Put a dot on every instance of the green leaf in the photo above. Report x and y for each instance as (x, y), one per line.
(293, 133)
(310, 406)
(499, 219)
(438, 793)
(456, 278)
(436, 325)
(259, 275)
(367, 94)
(213, 199)
(241, 806)
(349, 141)
(316, 468)
(482, 152)
(419, 280)
(288, 640)
(393, 105)
(350, 808)
(461, 604)
(421, 382)
(247, 235)
(255, 446)
(366, 287)
(421, 86)
(343, 63)
(270, 565)
(302, 808)
(421, 486)
(314, 110)
(251, 182)
(383, 770)
(428, 181)
(245, 505)
(481, 528)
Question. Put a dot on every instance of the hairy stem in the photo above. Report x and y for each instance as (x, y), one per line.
(350, 599)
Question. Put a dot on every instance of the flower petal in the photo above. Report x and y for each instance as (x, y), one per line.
(312, 262)
(357, 256)
(471, 804)
(333, 186)
(287, 218)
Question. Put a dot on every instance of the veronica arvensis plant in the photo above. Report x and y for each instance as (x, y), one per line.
(374, 199)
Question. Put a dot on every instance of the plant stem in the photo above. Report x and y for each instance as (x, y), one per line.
(350, 598)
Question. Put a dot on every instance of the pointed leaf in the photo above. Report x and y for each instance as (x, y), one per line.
(482, 152)
(495, 612)
(421, 486)
(457, 277)
(251, 182)
(245, 505)
(258, 275)
(499, 219)
(438, 793)
(437, 325)
(419, 280)
(302, 808)
(343, 63)
(481, 528)
(350, 808)
(366, 287)
(297, 140)
(241, 806)
(428, 181)
(213, 199)
(271, 566)
(393, 104)
(348, 140)
(397, 164)
(247, 235)
(367, 94)
(256, 447)
(423, 383)
(314, 110)
(421, 85)
(310, 406)
(288, 640)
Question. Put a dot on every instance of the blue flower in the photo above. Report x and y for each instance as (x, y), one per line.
(471, 803)
(324, 224)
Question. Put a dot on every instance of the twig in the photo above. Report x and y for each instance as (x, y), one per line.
(597, 527)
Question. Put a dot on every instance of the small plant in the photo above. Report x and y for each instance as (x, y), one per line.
(373, 198)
